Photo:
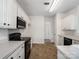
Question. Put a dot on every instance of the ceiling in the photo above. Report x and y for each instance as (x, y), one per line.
(67, 5)
(37, 7)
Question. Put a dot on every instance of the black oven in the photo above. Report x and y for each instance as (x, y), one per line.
(21, 24)
(67, 41)
(27, 46)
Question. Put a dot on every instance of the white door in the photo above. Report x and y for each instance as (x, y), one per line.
(48, 31)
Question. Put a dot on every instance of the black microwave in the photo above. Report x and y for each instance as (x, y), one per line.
(21, 24)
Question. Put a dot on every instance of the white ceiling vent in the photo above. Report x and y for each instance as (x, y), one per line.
(46, 3)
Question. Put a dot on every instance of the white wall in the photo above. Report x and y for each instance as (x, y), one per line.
(26, 32)
(43, 27)
(37, 29)
(58, 27)
(49, 28)
(3, 34)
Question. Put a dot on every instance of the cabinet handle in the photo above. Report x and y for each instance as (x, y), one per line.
(4, 23)
(19, 56)
(8, 24)
(11, 57)
(22, 47)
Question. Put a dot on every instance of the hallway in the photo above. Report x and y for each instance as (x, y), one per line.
(43, 51)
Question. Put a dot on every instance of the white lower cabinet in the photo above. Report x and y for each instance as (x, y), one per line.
(21, 53)
(70, 22)
(18, 54)
(60, 40)
(13, 56)
(60, 55)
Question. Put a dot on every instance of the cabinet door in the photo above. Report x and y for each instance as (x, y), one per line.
(60, 55)
(19, 11)
(23, 15)
(3, 5)
(13, 56)
(60, 40)
(1, 10)
(21, 53)
(69, 22)
(18, 54)
(11, 13)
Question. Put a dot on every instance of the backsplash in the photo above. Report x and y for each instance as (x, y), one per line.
(24, 32)
(3, 34)
(13, 31)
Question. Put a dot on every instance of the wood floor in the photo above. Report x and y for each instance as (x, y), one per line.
(43, 51)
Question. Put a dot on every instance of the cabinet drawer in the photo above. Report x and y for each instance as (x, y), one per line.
(17, 54)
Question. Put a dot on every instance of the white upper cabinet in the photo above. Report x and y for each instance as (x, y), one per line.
(19, 11)
(2, 12)
(22, 14)
(69, 22)
(11, 13)
(8, 14)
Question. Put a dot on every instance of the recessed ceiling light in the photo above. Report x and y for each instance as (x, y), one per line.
(54, 5)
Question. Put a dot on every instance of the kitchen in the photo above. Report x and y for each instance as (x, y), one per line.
(26, 24)
(14, 23)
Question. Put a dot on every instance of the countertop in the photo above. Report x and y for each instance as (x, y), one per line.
(26, 39)
(8, 47)
(72, 36)
(70, 52)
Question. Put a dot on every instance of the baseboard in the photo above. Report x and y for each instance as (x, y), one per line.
(38, 43)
